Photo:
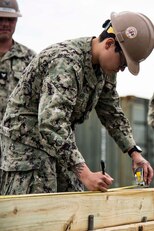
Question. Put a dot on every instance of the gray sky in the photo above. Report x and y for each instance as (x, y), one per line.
(49, 21)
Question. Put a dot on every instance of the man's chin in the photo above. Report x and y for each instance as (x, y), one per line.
(4, 38)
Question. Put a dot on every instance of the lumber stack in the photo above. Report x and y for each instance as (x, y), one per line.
(129, 209)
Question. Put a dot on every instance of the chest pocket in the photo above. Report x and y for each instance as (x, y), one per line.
(3, 86)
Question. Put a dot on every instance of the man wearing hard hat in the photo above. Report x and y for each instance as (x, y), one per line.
(14, 57)
(58, 90)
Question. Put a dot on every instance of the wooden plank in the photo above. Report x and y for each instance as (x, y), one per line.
(148, 226)
(70, 211)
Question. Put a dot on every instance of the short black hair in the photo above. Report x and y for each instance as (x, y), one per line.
(107, 24)
(105, 35)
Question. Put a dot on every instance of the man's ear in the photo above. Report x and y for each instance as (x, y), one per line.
(109, 42)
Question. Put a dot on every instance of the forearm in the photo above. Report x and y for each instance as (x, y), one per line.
(113, 118)
(81, 170)
(118, 127)
(92, 180)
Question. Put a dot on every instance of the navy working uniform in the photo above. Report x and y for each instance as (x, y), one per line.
(57, 90)
(12, 64)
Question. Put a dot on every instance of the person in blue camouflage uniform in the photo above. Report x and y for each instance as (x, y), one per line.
(151, 112)
(14, 57)
(58, 90)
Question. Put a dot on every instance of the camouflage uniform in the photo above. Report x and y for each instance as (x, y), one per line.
(151, 112)
(12, 65)
(58, 90)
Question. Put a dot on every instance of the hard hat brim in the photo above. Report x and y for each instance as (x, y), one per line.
(133, 66)
(10, 15)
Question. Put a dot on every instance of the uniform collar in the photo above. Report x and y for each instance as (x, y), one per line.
(95, 72)
(15, 51)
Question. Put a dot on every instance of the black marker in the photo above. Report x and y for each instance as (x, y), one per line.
(103, 167)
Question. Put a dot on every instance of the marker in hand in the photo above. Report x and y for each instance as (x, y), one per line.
(103, 167)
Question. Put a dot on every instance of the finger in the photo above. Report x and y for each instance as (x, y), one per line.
(150, 175)
(107, 181)
(109, 177)
(102, 189)
(145, 173)
(104, 184)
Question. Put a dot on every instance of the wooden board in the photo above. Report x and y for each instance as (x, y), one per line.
(148, 226)
(70, 211)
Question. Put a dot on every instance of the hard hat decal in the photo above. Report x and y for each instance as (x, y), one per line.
(110, 30)
(6, 3)
(131, 32)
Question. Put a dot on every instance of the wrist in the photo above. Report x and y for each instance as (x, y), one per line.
(134, 149)
(135, 155)
(82, 171)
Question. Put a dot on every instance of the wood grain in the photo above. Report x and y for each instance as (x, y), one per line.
(148, 226)
(70, 211)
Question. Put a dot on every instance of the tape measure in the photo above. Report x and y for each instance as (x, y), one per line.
(139, 176)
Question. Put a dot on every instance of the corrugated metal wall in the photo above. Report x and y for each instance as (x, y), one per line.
(95, 144)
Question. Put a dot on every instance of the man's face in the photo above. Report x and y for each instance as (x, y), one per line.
(7, 28)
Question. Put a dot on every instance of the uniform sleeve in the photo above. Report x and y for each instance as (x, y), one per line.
(57, 100)
(112, 117)
(151, 112)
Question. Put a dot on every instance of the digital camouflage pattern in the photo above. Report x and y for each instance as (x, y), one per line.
(12, 65)
(151, 112)
(58, 90)
(44, 176)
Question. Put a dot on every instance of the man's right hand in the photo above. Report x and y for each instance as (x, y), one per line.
(93, 181)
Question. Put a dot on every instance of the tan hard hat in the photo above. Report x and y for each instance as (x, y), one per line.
(135, 34)
(9, 8)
